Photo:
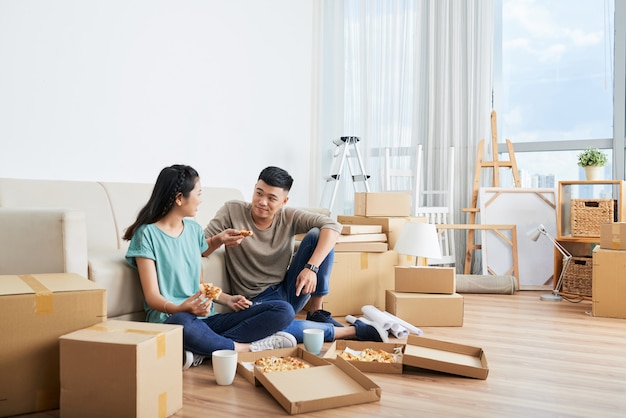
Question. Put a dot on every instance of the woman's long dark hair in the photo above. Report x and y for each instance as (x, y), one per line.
(171, 181)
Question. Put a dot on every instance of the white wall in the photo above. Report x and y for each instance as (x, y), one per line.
(115, 90)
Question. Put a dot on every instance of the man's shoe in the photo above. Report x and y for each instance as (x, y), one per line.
(190, 359)
(367, 330)
(322, 316)
(279, 340)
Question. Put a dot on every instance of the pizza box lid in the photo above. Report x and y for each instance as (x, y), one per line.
(339, 346)
(335, 385)
(447, 357)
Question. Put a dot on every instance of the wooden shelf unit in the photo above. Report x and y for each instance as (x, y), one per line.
(583, 189)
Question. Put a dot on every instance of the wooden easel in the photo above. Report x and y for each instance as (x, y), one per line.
(495, 166)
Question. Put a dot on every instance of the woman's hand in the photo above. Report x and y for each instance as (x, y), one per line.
(197, 304)
(237, 302)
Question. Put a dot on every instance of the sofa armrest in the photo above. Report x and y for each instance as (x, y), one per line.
(43, 241)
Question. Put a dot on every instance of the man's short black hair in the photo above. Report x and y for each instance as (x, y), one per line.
(276, 177)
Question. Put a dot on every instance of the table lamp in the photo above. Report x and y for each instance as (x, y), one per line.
(418, 240)
(534, 235)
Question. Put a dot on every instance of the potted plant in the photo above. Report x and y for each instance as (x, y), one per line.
(592, 159)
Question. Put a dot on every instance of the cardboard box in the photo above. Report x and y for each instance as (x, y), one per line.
(380, 237)
(134, 368)
(390, 225)
(339, 346)
(361, 229)
(446, 357)
(364, 247)
(382, 204)
(36, 309)
(613, 236)
(324, 386)
(426, 310)
(359, 278)
(425, 279)
(609, 283)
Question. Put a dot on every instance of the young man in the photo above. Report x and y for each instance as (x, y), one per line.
(262, 266)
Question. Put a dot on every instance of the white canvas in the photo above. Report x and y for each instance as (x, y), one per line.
(526, 209)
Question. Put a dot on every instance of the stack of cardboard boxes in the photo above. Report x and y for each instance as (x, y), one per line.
(59, 351)
(361, 276)
(609, 272)
(426, 297)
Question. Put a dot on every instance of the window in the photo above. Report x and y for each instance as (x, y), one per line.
(555, 94)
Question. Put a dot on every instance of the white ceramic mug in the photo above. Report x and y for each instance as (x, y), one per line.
(224, 366)
(313, 340)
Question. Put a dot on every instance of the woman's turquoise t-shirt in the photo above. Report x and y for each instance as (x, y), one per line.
(177, 259)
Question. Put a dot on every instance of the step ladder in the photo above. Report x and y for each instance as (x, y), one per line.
(346, 153)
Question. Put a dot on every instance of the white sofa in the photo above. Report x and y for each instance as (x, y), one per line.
(50, 226)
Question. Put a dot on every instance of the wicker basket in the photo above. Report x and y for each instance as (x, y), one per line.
(588, 214)
(577, 278)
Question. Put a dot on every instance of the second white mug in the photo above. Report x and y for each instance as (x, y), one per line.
(313, 340)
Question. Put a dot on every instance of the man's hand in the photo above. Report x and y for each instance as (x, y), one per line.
(231, 237)
(306, 282)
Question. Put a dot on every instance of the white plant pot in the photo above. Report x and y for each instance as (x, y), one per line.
(594, 172)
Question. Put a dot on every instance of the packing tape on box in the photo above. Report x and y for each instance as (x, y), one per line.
(44, 302)
(364, 261)
(160, 336)
(162, 405)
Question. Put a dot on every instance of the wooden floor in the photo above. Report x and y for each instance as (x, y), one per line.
(546, 359)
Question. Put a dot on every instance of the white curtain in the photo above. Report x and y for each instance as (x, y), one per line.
(398, 73)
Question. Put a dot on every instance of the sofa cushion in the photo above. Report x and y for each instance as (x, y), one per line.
(109, 269)
(89, 197)
(42, 241)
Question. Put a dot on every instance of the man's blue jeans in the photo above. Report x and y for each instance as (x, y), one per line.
(286, 290)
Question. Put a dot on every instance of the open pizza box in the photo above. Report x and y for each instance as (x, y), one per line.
(442, 356)
(324, 385)
(355, 347)
(245, 361)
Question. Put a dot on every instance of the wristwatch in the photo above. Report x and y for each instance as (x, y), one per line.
(311, 267)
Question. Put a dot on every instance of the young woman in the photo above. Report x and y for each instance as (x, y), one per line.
(166, 248)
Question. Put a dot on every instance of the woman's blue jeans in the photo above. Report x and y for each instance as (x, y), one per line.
(220, 331)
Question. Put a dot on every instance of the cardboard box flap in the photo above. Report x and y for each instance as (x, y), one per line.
(445, 357)
(122, 332)
(25, 284)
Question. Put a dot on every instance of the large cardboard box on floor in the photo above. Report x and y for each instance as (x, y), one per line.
(358, 279)
(122, 369)
(425, 309)
(382, 204)
(390, 225)
(323, 385)
(425, 279)
(613, 236)
(608, 283)
(446, 357)
(35, 309)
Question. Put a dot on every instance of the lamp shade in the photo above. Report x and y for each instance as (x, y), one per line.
(419, 240)
(534, 233)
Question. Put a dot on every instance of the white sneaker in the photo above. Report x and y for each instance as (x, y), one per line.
(192, 359)
(279, 340)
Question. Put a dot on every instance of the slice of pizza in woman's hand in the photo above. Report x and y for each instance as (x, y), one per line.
(210, 291)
